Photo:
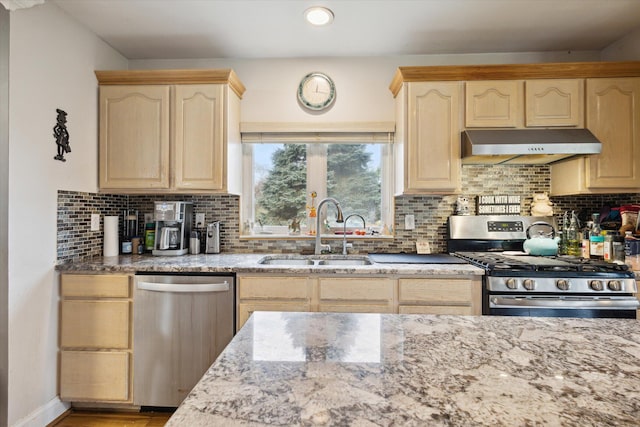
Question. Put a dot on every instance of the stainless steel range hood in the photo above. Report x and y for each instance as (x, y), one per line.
(526, 146)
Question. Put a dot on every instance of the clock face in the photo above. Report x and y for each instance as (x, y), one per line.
(316, 91)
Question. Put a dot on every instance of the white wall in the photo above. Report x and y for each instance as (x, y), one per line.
(362, 84)
(52, 60)
(625, 49)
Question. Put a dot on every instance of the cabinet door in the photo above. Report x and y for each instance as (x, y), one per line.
(134, 137)
(494, 103)
(551, 102)
(613, 116)
(199, 148)
(432, 158)
(94, 376)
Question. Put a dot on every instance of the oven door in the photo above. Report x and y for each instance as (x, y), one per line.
(584, 306)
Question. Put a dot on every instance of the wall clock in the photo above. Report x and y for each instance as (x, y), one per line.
(316, 91)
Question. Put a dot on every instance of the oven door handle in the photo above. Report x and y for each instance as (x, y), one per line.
(601, 303)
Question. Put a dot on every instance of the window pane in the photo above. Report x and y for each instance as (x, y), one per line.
(280, 181)
(353, 178)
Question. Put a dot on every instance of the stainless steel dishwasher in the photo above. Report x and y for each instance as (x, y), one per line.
(181, 323)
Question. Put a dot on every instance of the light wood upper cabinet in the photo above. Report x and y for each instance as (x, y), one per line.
(529, 103)
(554, 102)
(134, 137)
(496, 103)
(428, 137)
(170, 130)
(199, 137)
(613, 116)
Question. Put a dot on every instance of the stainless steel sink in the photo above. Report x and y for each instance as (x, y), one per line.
(290, 260)
(286, 261)
(354, 261)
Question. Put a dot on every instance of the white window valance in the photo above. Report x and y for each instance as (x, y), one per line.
(304, 133)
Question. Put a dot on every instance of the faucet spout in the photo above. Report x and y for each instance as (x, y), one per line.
(344, 231)
(319, 245)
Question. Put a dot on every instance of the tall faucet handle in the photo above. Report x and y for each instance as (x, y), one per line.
(324, 247)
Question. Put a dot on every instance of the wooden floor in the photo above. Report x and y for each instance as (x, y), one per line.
(111, 419)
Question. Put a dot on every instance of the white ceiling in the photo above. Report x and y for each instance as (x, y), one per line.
(178, 29)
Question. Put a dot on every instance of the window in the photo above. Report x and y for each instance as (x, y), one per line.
(280, 177)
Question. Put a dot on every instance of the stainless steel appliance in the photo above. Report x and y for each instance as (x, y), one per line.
(212, 244)
(181, 324)
(173, 227)
(517, 284)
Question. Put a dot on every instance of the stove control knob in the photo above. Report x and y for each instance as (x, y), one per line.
(563, 284)
(614, 285)
(596, 285)
(529, 284)
(511, 283)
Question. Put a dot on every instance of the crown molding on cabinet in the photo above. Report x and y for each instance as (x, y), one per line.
(513, 71)
(163, 77)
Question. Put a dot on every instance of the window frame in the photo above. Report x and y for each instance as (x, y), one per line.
(316, 181)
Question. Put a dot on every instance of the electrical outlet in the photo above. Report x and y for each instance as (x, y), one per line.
(409, 222)
(423, 247)
(200, 220)
(95, 222)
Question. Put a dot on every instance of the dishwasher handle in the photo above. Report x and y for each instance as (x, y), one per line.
(183, 287)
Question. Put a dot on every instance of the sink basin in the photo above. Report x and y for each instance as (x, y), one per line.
(313, 260)
(286, 261)
(355, 261)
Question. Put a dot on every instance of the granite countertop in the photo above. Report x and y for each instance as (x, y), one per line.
(248, 263)
(388, 369)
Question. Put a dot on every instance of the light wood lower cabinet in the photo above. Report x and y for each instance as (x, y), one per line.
(95, 375)
(440, 296)
(356, 295)
(366, 294)
(96, 348)
(272, 293)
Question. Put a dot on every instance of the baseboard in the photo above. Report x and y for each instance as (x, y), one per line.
(44, 415)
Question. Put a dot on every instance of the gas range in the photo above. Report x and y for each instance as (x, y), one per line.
(566, 275)
(516, 283)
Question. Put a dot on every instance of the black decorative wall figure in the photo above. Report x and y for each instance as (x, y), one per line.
(61, 135)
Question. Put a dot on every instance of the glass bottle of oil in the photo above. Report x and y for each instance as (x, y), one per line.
(573, 237)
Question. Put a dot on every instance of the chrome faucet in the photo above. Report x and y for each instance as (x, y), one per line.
(319, 245)
(344, 231)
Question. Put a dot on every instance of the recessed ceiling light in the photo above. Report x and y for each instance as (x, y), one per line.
(318, 15)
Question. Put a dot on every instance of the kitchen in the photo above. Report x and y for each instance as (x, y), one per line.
(33, 319)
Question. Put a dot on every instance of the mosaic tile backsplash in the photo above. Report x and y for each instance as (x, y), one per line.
(75, 241)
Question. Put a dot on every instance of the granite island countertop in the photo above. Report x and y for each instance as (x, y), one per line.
(248, 263)
(421, 370)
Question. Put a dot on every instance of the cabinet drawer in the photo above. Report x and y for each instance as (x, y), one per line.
(91, 375)
(245, 310)
(456, 310)
(362, 289)
(354, 308)
(95, 324)
(289, 288)
(436, 291)
(95, 286)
